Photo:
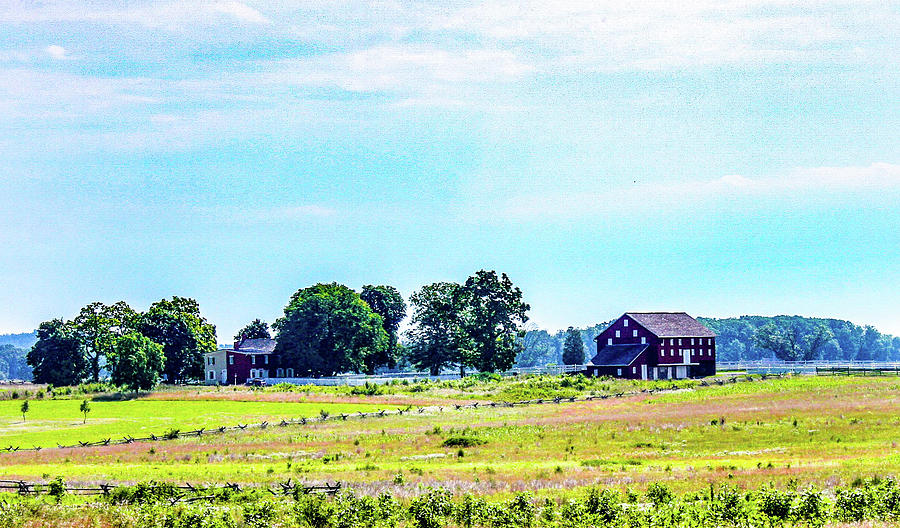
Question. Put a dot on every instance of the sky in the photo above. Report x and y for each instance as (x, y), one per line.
(715, 157)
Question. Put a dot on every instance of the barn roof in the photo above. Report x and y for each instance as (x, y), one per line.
(256, 346)
(671, 324)
(618, 355)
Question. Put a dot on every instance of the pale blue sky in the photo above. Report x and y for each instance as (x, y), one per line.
(724, 158)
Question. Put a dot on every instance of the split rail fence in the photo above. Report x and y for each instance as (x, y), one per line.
(176, 434)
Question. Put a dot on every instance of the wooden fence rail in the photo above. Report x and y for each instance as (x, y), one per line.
(184, 492)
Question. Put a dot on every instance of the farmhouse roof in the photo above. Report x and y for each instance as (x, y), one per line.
(671, 324)
(256, 346)
(618, 355)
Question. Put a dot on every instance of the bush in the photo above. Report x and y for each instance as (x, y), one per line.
(659, 494)
(775, 505)
(429, 510)
(463, 441)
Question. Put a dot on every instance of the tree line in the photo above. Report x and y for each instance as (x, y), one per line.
(326, 329)
(796, 338)
(329, 328)
(135, 348)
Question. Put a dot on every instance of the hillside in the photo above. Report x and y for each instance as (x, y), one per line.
(749, 337)
(23, 340)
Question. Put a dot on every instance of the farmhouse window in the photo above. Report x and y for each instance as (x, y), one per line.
(231, 360)
(634, 333)
(679, 342)
(266, 359)
(609, 341)
(643, 340)
(618, 333)
(625, 323)
(692, 340)
(618, 372)
(253, 360)
(634, 370)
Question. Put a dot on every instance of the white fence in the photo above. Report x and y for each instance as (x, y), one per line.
(805, 367)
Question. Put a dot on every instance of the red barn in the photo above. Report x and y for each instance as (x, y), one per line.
(655, 345)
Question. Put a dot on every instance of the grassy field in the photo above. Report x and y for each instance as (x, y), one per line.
(51, 422)
(827, 431)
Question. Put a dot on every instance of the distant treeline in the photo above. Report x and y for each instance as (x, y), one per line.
(797, 338)
(13, 353)
(791, 338)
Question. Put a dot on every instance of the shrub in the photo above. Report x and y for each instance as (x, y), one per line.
(810, 507)
(258, 514)
(851, 505)
(429, 510)
(56, 488)
(604, 504)
(775, 504)
(462, 441)
(659, 494)
(313, 510)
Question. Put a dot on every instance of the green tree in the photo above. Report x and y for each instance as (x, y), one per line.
(783, 342)
(328, 329)
(493, 319)
(437, 338)
(57, 357)
(136, 362)
(387, 302)
(24, 409)
(573, 349)
(98, 325)
(815, 339)
(256, 329)
(85, 408)
(184, 334)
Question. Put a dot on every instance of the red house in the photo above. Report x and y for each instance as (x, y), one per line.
(249, 359)
(655, 345)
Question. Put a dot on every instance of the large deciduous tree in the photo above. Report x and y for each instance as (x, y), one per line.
(437, 338)
(255, 329)
(58, 356)
(387, 302)
(493, 320)
(328, 329)
(136, 362)
(184, 334)
(573, 349)
(98, 325)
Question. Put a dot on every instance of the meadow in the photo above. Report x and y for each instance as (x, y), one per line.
(786, 433)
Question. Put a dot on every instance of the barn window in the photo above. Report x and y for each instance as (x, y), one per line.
(634, 333)
(643, 340)
(618, 372)
(618, 333)
(634, 370)
(625, 323)
(609, 341)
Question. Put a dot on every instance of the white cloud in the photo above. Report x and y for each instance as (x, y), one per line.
(57, 52)
(836, 183)
(241, 12)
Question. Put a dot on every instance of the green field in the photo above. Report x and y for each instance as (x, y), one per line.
(789, 433)
(52, 422)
